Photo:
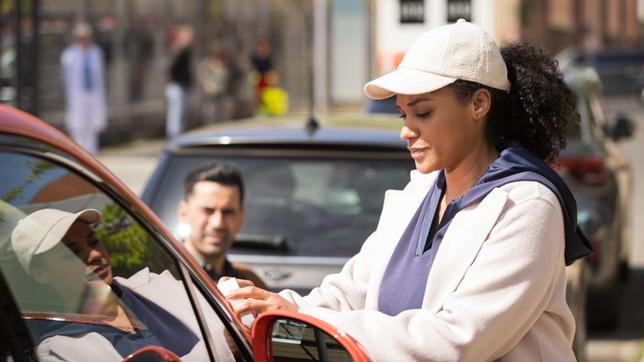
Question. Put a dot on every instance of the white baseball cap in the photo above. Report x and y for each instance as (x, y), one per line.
(439, 57)
(40, 231)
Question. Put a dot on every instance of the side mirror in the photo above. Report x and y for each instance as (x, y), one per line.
(623, 128)
(152, 354)
(286, 336)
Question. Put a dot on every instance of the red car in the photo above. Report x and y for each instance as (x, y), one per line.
(69, 314)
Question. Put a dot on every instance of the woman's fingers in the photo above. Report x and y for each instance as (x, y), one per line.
(250, 305)
(257, 300)
(248, 292)
(245, 283)
(241, 282)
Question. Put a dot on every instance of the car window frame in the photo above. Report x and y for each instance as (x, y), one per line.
(19, 345)
(36, 148)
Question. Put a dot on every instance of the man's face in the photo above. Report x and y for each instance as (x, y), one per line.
(215, 216)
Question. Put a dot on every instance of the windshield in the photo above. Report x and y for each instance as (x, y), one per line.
(296, 205)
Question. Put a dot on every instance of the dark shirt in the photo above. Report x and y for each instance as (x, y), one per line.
(160, 327)
(180, 70)
(227, 271)
(262, 64)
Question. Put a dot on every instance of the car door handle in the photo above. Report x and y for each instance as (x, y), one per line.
(277, 275)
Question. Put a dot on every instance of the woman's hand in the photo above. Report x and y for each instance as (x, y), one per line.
(241, 282)
(257, 300)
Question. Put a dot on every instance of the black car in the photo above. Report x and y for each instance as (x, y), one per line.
(313, 194)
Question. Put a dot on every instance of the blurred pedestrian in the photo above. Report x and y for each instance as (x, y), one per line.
(213, 75)
(262, 62)
(83, 67)
(468, 262)
(273, 98)
(179, 80)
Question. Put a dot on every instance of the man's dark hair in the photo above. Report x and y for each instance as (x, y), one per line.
(220, 173)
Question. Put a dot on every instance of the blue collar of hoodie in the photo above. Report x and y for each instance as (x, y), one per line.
(515, 163)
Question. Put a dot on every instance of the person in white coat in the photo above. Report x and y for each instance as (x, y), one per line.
(83, 77)
(467, 263)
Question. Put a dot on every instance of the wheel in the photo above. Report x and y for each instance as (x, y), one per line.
(624, 271)
(604, 306)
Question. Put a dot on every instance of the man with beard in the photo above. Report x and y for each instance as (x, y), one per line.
(213, 209)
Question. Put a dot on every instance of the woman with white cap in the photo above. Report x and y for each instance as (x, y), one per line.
(468, 261)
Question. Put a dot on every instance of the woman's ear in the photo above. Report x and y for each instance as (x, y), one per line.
(481, 103)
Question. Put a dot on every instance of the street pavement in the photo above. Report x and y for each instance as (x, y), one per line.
(134, 162)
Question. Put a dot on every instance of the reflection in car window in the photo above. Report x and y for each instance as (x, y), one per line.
(88, 278)
(319, 207)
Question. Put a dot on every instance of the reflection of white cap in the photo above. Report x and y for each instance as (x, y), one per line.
(9, 217)
(40, 231)
(441, 56)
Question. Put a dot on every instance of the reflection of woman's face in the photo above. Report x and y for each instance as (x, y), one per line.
(437, 128)
(80, 239)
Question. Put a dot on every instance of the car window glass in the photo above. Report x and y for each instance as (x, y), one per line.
(587, 123)
(598, 109)
(597, 119)
(318, 206)
(621, 73)
(86, 285)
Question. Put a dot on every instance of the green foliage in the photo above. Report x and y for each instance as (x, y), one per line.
(130, 247)
(38, 168)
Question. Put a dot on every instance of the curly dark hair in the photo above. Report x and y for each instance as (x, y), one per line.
(538, 110)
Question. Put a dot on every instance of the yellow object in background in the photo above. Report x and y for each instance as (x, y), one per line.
(274, 101)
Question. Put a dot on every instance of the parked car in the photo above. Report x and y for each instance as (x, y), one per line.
(621, 71)
(43, 169)
(314, 193)
(311, 196)
(599, 174)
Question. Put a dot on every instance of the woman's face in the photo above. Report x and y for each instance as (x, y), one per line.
(80, 239)
(439, 129)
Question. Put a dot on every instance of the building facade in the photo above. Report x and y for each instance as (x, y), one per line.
(323, 50)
